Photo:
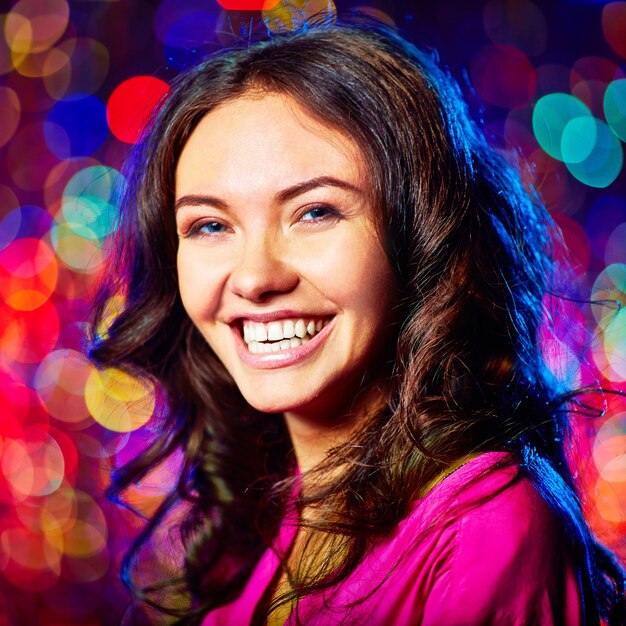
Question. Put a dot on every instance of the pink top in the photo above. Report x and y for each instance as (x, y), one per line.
(499, 561)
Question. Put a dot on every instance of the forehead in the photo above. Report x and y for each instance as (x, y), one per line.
(268, 140)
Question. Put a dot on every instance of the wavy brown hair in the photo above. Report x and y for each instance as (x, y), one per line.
(471, 248)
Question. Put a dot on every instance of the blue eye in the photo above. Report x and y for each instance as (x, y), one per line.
(211, 228)
(318, 213)
(205, 229)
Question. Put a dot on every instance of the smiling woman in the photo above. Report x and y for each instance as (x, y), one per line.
(266, 213)
(340, 289)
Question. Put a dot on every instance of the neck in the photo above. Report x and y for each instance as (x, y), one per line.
(313, 436)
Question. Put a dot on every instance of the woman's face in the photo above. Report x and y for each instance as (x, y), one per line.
(279, 264)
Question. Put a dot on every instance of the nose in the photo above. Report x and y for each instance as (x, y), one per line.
(262, 270)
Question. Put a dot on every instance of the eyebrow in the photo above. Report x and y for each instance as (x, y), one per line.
(282, 196)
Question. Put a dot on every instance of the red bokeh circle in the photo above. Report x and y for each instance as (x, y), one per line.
(131, 104)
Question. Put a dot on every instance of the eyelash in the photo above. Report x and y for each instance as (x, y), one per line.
(198, 230)
(330, 213)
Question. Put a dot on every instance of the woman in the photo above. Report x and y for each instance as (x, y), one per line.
(338, 286)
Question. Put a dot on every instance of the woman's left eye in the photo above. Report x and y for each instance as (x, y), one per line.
(318, 213)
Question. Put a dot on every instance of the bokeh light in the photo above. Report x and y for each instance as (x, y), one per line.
(11, 109)
(609, 292)
(87, 66)
(616, 245)
(131, 104)
(551, 115)
(517, 23)
(33, 26)
(604, 215)
(503, 75)
(609, 499)
(589, 78)
(30, 174)
(59, 176)
(614, 26)
(614, 344)
(77, 246)
(9, 227)
(609, 450)
(76, 126)
(247, 5)
(28, 559)
(592, 153)
(280, 17)
(609, 297)
(185, 26)
(90, 198)
(33, 466)
(60, 382)
(27, 336)
(27, 221)
(28, 274)
(615, 107)
(118, 401)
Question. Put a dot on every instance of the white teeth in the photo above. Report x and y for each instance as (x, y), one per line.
(289, 329)
(248, 333)
(260, 332)
(300, 329)
(261, 348)
(274, 331)
(280, 335)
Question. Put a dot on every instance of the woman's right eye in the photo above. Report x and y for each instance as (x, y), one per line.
(206, 229)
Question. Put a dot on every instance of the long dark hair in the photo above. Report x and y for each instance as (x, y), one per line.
(471, 248)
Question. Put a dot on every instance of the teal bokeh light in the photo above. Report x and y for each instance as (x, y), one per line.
(90, 199)
(615, 107)
(551, 116)
(604, 161)
(578, 139)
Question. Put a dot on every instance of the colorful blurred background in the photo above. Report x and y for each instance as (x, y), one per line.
(77, 80)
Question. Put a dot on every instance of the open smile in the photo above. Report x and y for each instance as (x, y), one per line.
(280, 342)
(281, 334)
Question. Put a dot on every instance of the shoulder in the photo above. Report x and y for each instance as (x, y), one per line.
(490, 489)
(499, 550)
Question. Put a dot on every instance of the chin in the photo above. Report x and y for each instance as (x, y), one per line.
(275, 405)
(281, 403)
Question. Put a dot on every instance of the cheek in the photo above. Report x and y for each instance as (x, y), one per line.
(357, 277)
(198, 284)
(364, 278)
